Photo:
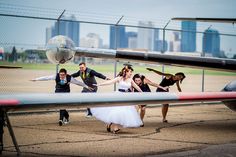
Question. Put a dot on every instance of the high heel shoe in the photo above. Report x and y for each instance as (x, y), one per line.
(115, 131)
(109, 127)
(165, 121)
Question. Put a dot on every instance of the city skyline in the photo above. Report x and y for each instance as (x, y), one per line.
(142, 39)
(33, 31)
(67, 28)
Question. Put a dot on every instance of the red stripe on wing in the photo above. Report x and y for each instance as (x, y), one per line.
(207, 96)
(9, 102)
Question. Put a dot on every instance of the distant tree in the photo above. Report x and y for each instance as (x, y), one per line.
(42, 54)
(23, 56)
(13, 56)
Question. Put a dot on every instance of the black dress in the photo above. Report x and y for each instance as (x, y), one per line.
(143, 87)
(165, 83)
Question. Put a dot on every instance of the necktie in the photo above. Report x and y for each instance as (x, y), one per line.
(83, 75)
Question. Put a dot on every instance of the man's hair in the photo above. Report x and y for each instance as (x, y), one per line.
(62, 70)
(82, 63)
(137, 76)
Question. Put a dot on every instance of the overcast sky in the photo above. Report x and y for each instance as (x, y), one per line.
(140, 8)
(19, 30)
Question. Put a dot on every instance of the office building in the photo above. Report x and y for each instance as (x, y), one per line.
(188, 36)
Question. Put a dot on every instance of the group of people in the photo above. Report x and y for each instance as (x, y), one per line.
(116, 117)
(63, 80)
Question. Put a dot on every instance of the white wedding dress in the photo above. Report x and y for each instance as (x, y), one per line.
(126, 116)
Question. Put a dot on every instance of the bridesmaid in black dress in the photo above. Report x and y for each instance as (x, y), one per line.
(168, 80)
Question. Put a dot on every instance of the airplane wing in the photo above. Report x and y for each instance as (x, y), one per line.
(211, 63)
(26, 101)
(9, 67)
(222, 20)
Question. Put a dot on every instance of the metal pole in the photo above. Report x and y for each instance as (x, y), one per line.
(58, 22)
(163, 45)
(2, 122)
(203, 79)
(115, 64)
(12, 135)
(57, 68)
(203, 71)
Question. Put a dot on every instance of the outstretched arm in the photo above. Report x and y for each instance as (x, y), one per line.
(112, 81)
(178, 86)
(99, 75)
(147, 81)
(160, 73)
(135, 86)
(77, 74)
(79, 83)
(45, 78)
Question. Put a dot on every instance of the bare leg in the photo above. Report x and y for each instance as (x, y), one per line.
(142, 112)
(164, 111)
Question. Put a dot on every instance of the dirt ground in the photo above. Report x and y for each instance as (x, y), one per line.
(189, 127)
(18, 80)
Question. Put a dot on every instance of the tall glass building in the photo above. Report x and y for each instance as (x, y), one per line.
(188, 39)
(132, 39)
(118, 37)
(157, 46)
(146, 36)
(211, 42)
(60, 29)
(70, 29)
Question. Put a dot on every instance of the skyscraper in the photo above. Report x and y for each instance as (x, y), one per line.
(60, 27)
(132, 39)
(92, 40)
(211, 42)
(72, 30)
(174, 44)
(49, 33)
(156, 42)
(146, 36)
(118, 37)
(161, 46)
(188, 36)
(67, 28)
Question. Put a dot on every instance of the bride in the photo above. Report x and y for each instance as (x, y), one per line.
(119, 116)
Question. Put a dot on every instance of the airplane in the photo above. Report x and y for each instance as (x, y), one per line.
(222, 20)
(60, 49)
(9, 67)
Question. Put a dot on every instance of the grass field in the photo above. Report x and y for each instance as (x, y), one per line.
(140, 68)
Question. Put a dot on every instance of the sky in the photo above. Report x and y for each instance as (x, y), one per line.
(19, 30)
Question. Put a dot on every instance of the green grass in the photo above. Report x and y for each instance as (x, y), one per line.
(110, 68)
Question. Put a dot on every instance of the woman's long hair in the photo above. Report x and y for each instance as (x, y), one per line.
(125, 70)
(182, 74)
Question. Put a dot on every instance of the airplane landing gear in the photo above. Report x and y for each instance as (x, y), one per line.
(4, 121)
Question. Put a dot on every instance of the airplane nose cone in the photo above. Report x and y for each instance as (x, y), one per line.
(229, 88)
(60, 49)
